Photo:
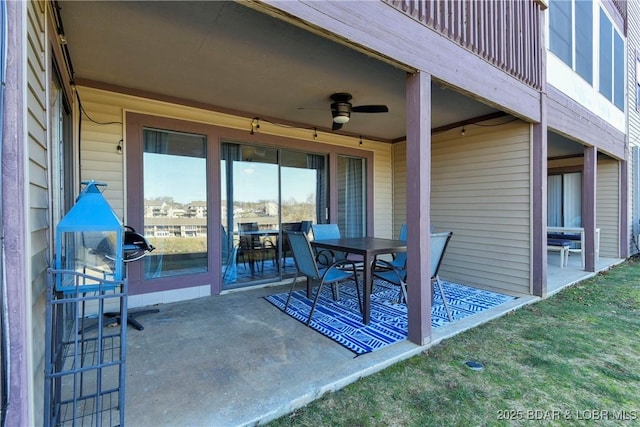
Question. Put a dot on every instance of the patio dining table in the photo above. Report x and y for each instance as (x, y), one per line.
(368, 248)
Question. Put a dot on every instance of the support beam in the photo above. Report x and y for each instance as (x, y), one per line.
(419, 206)
(589, 206)
(624, 211)
(539, 207)
(15, 222)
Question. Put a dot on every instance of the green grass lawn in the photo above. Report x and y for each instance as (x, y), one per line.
(572, 359)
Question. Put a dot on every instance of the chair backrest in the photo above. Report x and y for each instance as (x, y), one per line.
(247, 226)
(400, 260)
(305, 226)
(403, 233)
(328, 231)
(288, 226)
(291, 226)
(325, 231)
(248, 241)
(439, 242)
(303, 254)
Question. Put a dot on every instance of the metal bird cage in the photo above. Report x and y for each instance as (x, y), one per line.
(85, 354)
(90, 238)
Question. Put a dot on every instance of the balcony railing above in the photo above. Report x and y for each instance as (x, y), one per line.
(506, 33)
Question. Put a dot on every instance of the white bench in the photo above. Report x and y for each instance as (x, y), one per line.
(563, 248)
(579, 230)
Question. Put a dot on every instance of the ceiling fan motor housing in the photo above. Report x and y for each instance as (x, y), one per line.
(341, 112)
(341, 109)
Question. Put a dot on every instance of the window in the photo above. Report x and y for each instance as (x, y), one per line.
(571, 35)
(606, 56)
(618, 71)
(584, 40)
(611, 62)
(560, 30)
(62, 178)
(174, 167)
(564, 200)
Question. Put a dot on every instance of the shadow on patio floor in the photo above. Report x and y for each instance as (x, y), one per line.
(235, 359)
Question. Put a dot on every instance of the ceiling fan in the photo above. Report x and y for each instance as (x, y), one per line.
(341, 109)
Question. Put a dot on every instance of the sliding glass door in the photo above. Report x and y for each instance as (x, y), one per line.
(217, 211)
(265, 192)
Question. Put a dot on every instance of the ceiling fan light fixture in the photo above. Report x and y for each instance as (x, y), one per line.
(341, 109)
(341, 112)
(341, 117)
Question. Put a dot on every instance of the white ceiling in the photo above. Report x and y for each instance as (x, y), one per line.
(236, 58)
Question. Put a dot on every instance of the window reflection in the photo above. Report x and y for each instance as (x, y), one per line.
(175, 203)
(266, 191)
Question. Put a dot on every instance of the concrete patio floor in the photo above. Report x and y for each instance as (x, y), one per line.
(236, 360)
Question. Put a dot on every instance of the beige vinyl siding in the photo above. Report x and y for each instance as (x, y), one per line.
(480, 190)
(399, 186)
(383, 192)
(100, 160)
(38, 193)
(607, 207)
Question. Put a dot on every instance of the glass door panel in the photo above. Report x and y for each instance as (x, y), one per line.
(175, 203)
(572, 195)
(266, 191)
(352, 191)
(250, 213)
(303, 184)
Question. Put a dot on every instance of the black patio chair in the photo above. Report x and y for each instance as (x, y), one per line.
(285, 227)
(253, 246)
(325, 256)
(396, 273)
(307, 265)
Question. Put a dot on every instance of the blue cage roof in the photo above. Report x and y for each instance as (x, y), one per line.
(91, 212)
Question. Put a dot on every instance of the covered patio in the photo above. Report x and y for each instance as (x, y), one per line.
(235, 359)
(137, 94)
(475, 148)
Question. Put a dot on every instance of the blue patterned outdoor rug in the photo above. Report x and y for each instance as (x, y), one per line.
(342, 322)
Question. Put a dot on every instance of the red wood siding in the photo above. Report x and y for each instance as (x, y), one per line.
(506, 33)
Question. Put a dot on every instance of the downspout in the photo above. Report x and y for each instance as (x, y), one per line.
(4, 324)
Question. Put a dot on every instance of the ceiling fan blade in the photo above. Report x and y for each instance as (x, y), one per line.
(336, 126)
(370, 109)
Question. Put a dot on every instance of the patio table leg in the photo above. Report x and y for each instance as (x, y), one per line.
(367, 285)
